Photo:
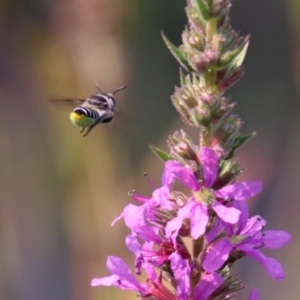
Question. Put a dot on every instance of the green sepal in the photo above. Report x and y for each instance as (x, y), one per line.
(239, 58)
(178, 54)
(239, 141)
(164, 156)
(234, 58)
(202, 9)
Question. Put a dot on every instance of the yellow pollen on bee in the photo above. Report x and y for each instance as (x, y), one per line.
(76, 117)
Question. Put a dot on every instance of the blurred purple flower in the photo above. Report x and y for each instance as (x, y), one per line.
(254, 295)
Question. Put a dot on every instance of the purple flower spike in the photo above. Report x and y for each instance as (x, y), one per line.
(186, 239)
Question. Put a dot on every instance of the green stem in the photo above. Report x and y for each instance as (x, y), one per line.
(205, 136)
(210, 29)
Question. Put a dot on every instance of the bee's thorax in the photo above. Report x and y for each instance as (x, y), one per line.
(101, 100)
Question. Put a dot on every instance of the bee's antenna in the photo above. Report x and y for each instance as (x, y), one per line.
(120, 88)
(98, 87)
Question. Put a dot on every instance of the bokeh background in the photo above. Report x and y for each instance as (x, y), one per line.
(59, 191)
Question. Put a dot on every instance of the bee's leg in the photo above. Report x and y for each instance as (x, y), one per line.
(99, 120)
(89, 129)
(81, 129)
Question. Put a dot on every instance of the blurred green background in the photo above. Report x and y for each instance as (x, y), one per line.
(59, 191)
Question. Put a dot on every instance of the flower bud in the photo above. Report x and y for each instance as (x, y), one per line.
(182, 148)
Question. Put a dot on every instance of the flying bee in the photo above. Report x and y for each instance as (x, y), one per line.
(96, 109)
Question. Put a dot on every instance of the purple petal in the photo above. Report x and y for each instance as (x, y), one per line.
(210, 165)
(168, 175)
(254, 295)
(142, 256)
(161, 197)
(236, 228)
(274, 239)
(243, 208)
(199, 219)
(117, 266)
(127, 211)
(107, 281)
(132, 244)
(181, 270)
(134, 217)
(173, 226)
(254, 225)
(272, 266)
(207, 285)
(185, 175)
(217, 255)
(150, 271)
(121, 277)
(227, 214)
(215, 230)
(119, 217)
(240, 191)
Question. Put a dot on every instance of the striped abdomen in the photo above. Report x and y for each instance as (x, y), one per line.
(86, 116)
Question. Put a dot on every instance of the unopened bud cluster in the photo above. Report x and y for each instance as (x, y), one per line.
(211, 57)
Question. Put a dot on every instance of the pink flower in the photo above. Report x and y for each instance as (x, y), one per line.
(204, 196)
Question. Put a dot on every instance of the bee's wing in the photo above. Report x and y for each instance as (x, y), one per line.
(67, 102)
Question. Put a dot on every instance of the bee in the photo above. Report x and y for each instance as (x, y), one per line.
(96, 109)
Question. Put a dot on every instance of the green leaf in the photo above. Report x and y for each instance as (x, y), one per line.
(178, 54)
(164, 156)
(239, 141)
(243, 139)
